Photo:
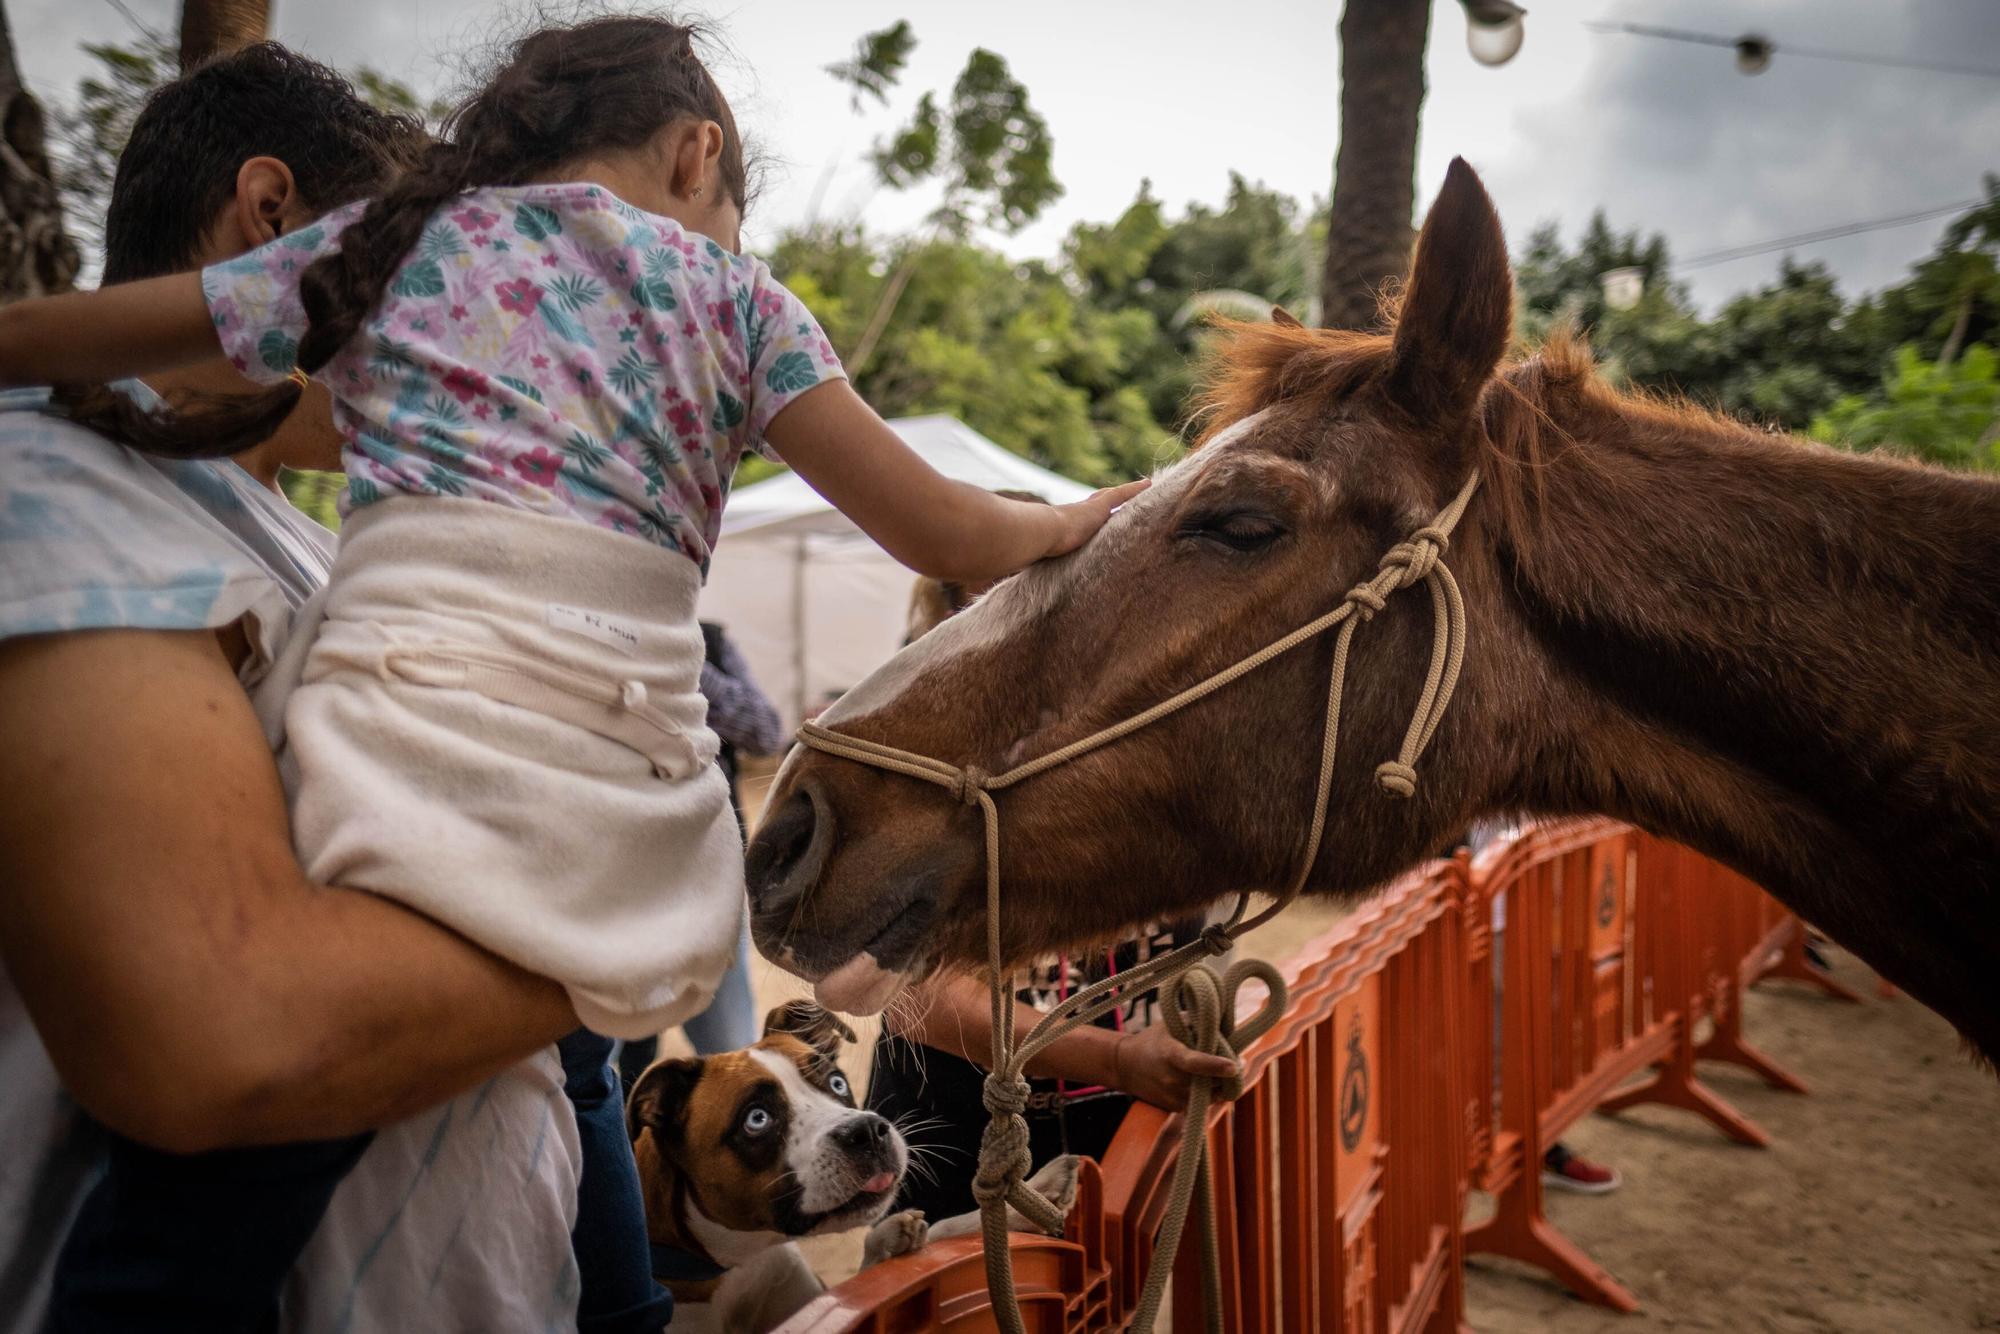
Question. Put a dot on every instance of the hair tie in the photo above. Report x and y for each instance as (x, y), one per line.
(299, 378)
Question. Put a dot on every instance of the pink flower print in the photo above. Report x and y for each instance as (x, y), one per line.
(473, 218)
(482, 410)
(223, 311)
(539, 362)
(635, 318)
(690, 329)
(723, 313)
(686, 421)
(548, 261)
(465, 384)
(519, 296)
(539, 466)
(711, 498)
(459, 312)
(770, 305)
(240, 363)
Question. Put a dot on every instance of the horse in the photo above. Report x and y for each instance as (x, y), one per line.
(1782, 655)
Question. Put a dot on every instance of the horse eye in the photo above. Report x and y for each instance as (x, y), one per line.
(1238, 530)
(838, 1084)
(756, 1121)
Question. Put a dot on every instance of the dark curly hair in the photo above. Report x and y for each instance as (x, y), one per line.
(179, 166)
(567, 91)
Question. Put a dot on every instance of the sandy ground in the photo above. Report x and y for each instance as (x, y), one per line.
(1876, 1208)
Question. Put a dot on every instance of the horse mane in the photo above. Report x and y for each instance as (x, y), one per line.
(1251, 366)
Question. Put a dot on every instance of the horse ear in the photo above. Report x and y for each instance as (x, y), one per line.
(1458, 306)
(1284, 318)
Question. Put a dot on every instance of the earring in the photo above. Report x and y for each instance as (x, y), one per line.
(696, 193)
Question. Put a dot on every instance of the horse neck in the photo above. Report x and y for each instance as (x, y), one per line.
(1782, 656)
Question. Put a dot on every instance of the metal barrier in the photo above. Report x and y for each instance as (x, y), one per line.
(1438, 1042)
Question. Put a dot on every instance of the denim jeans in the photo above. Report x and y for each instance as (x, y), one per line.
(613, 1254)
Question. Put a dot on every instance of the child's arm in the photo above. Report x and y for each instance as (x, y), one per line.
(936, 526)
(135, 328)
(954, 1014)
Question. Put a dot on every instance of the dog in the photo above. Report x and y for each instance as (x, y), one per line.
(743, 1153)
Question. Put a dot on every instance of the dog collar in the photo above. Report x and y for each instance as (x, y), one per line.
(676, 1264)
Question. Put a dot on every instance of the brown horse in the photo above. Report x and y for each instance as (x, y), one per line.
(1782, 655)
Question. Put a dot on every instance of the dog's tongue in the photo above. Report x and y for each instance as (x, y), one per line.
(878, 1183)
(859, 986)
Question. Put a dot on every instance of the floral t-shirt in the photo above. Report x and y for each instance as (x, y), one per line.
(548, 347)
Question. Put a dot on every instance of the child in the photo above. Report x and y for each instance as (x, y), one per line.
(546, 357)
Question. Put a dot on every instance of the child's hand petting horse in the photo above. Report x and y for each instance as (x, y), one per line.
(936, 526)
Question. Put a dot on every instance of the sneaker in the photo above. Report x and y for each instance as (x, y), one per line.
(1563, 1170)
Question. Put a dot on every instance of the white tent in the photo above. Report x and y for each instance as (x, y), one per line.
(812, 602)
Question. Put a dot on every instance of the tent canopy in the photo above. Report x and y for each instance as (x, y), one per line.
(812, 602)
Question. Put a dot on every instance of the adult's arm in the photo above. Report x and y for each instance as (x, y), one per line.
(193, 989)
(136, 328)
(954, 1013)
(737, 710)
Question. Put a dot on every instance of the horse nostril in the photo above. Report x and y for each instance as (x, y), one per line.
(779, 866)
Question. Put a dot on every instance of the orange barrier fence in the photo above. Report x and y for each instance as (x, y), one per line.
(1438, 1041)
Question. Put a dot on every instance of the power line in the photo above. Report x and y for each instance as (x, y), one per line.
(1785, 48)
(1724, 256)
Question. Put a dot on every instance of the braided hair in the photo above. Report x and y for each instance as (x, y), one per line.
(600, 85)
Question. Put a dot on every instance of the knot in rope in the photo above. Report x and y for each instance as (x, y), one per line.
(1215, 938)
(971, 781)
(1414, 558)
(1366, 600)
(1396, 778)
(1004, 1156)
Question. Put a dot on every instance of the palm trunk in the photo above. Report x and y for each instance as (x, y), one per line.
(36, 256)
(1369, 236)
(217, 27)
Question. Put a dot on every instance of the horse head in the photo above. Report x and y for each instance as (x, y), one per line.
(1322, 450)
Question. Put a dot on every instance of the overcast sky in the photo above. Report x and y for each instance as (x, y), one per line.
(1661, 135)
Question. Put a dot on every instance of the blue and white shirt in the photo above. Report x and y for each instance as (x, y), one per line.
(97, 537)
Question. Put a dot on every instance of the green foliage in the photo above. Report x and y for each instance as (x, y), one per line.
(988, 147)
(314, 494)
(92, 129)
(388, 94)
(877, 63)
(1940, 412)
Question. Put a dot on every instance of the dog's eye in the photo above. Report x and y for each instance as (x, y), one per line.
(839, 1085)
(757, 1121)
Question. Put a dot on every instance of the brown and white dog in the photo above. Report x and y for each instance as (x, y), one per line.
(741, 1154)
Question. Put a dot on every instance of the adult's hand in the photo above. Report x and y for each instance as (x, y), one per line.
(1154, 1066)
(193, 989)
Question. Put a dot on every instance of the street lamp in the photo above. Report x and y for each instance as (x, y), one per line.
(1493, 30)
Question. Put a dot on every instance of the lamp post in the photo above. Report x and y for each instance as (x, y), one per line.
(1493, 30)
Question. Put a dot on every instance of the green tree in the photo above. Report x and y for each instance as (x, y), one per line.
(1945, 412)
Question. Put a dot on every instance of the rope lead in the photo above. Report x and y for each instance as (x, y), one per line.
(1198, 1008)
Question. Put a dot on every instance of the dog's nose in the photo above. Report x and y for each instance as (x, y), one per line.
(862, 1134)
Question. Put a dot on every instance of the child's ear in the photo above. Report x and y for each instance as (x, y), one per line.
(266, 205)
(810, 1024)
(659, 1101)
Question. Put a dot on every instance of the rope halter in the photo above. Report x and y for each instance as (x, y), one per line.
(1200, 1009)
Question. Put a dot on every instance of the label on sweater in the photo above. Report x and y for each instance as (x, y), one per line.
(606, 630)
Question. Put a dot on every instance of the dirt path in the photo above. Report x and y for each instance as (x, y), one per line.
(1876, 1208)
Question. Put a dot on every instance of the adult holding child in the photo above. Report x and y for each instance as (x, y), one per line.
(546, 357)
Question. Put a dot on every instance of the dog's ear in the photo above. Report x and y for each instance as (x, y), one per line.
(810, 1024)
(659, 1100)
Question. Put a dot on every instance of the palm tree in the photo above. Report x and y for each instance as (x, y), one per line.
(1369, 235)
(37, 256)
(217, 27)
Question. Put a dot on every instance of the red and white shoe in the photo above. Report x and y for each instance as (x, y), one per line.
(1563, 1170)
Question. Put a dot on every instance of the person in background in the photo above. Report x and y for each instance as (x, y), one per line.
(747, 722)
(1562, 1167)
